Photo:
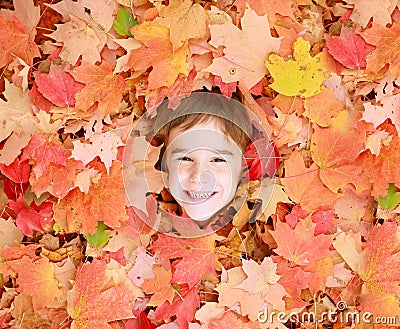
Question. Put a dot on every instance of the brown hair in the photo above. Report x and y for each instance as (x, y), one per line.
(201, 108)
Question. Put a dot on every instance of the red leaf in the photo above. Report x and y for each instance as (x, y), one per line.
(141, 322)
(183, 307)
(58, 86)
(262, 157)
(32, 218)
(349, 48)
(18, 171)
(324, 221)
(197, 256)
(43, 153)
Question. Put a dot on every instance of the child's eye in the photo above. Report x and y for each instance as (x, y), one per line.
(185, 159)
(218, 160)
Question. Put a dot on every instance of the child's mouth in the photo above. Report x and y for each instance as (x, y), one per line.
(200, 195)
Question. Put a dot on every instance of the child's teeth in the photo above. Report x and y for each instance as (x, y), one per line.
(199, 195)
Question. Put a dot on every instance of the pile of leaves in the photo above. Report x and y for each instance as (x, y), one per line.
(322, 76)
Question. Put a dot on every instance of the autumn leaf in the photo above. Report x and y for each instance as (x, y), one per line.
(124, 21)
(380, 12)
(44, 152)
(16, 41)
(245, 50)
(300, 76)
(231, 320)
(391, 200)
(322, 108)
(387, 50)
(102, 88)
(300, 245)
(334, 150)
(157, 53)
(57, 86)
(185, 20)
(36, 279)
(183, 306)
(197, 256)
(380, 275)
(303, 184)
(349, 48)
(160, 287)
(104, 202)
(93, 303)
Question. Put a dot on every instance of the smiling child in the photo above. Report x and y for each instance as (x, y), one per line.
(204, 140)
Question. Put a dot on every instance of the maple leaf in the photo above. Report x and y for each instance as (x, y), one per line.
(349, 48)
(380, 11)
(104, 145)
(104, 202)
(300, 76)
(185, 21)
(17, 122)
(197, 256)
(294, 279)
(18, 171)
(322, 108)
(378, 114)
(84, 32)
(36, 279)
(266, 7)
(229, 295)
(183, 306)
(334, 150)
(259, 277)
(231, 320)
(157, 53)
(160, 287)
(15, 41)
(57, 86)
(58, 180)
(32, 217)
(302, 184)
(245, 50)
(324, 220)
(387, 49)
(391, 200)
(300, 245)
(102, 87)
(93, 302)
(381, 276)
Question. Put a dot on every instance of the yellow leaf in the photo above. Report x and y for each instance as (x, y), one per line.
(301, 76)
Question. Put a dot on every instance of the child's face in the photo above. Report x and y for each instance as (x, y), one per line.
(203, 169)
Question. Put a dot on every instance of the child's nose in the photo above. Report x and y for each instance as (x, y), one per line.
(202, 175)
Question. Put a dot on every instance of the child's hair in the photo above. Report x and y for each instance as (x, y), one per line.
(201, 108)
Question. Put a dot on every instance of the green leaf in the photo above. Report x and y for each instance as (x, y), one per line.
(100, 238)
(124, 22)
(391, 200)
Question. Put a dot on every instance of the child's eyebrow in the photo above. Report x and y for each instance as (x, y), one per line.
(185, 151)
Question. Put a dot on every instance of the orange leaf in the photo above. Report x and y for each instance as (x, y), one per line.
(105, 202)
(334, 150)
(322, 108)
(232, 320)
(92, 303)
(197, 256)
(304, 186)
(160, 287)
(103, 88)
(299, 245)
(382, 276)
(36, 279)
(387, 49)
(16, 42)
(157, 52)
